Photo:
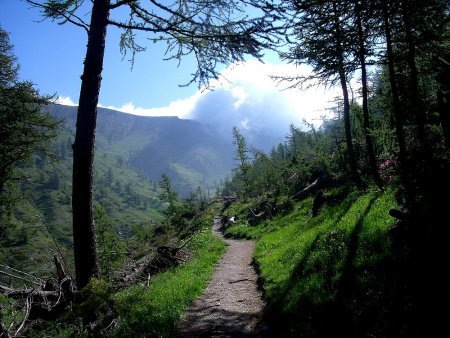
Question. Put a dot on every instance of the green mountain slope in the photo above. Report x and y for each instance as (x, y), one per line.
(132, 152)
(186, 150)
(43, 218)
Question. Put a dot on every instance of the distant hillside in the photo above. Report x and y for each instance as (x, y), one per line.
(132, 152)
(44, 216)
(190, 153)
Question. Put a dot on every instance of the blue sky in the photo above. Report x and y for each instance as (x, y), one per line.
(51, 55)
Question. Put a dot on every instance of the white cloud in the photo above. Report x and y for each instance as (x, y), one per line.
(254, 78)
(249, 84)
(240, 94)
(244, 123)
(247, 97)
(180, 108)
(65, 100)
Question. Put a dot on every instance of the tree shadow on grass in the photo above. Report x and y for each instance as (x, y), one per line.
(323, 310)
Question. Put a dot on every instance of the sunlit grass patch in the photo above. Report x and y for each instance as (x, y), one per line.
(244, 230)
(374, 243)
(316, 265)
(156, 311)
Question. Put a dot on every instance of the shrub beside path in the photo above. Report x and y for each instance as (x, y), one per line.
(232, 305)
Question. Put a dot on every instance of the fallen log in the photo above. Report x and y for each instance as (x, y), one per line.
(25, 293)
(45, 301)
(265, 213)
(254, 218)
(227, 201)
(281, 207)
(320, 183)
(164, 258)
(309, 190)
(40, 304)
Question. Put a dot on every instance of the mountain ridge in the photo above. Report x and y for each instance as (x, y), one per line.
(186, 150)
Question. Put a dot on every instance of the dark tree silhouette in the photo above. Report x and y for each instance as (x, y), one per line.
(362, 12)
(323, 40)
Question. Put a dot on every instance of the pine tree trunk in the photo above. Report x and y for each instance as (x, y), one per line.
(85, 249)
(348, 133)
(417, 103)
(444, 117)
(343, 80)
(398, 114)
(365, 105)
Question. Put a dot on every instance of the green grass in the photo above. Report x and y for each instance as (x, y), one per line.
(242, 229)
(323, 275)
(314, 269)
(157, 310)
(142, 310)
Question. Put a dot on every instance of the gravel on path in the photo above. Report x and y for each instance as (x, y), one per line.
(232, 304)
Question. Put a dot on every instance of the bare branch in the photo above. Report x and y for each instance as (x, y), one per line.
(13, 276)
(38, 281)
(133, 27)
(22, 293)
(3, 330)
(27, 314)
(121, 3)
(69, 17)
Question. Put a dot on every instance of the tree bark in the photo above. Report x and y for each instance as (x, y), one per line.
(85, 249)
(365, 106)
(343, 80)
(348, 133)
(444, 111)
(417, 103)
(398, 114)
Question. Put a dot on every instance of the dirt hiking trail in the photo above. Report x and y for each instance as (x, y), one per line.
(231, 305)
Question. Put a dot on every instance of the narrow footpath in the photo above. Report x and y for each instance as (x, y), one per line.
(232, 305)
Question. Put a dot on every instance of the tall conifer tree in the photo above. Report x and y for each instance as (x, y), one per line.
(214, 32)
(25, 127)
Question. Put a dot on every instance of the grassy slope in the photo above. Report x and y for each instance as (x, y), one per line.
(156, 311)
(141, 311)
(333, 275)
(327, 276)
